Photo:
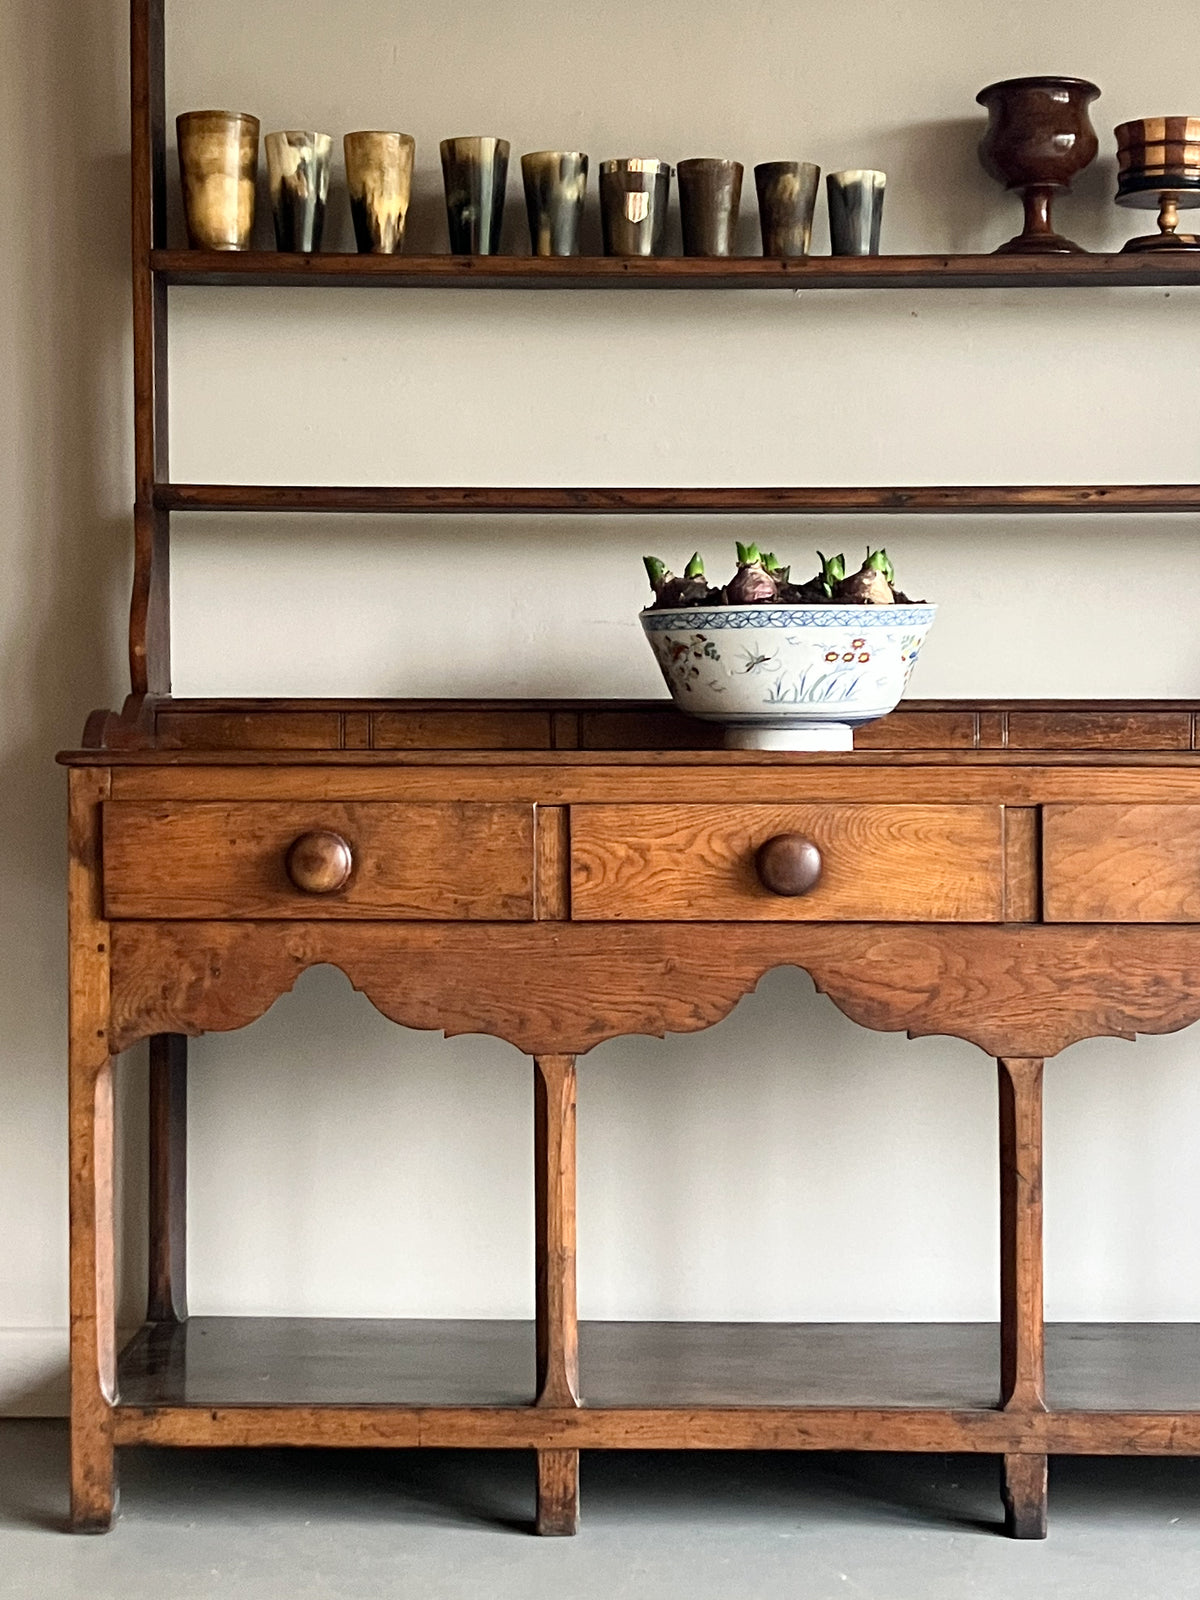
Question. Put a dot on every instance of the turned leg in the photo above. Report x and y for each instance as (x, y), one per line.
(557, 1320)
(167, 1296)
(1022, 1329)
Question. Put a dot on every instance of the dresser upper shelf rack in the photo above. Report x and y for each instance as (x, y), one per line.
(265, 269)
(272, 269)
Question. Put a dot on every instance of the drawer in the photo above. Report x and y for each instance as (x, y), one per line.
(445, 861)
(1121, 863)
(701, 863)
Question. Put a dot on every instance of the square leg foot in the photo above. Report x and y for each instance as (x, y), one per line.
(1023, 1484)
(557, 1493)
(95, 1513)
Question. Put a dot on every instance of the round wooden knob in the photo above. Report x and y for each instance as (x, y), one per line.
(789, 864)
(320, 863)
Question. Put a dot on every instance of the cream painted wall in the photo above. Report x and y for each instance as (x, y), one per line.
(784, 1164)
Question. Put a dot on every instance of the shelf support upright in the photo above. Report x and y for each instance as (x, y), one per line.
(150, 608)
(557, 1318)
(1022, 1327)
(166, 1299)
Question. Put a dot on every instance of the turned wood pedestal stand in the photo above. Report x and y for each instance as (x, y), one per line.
(1018, 876)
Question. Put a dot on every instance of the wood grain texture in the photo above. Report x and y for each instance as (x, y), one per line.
(334, 727)
(166, 1299)
(565, 777)
(553, 863)
(1022, 1336)
(356, 729)
(456, 860)
(1112, 863)
(991, 728)
(562, 988)
(554, 1230)
(822, 1427)
(1022, 864)
(1023, 1485)
(438, 730)
(249, 730)
(1129, 729)
(1114, 725)
(1084, 726)
(90, 1112)
(557, 1493)
(917, 729)
(696, 863)
(808, 500)
(267, 268)
(1094, 1433)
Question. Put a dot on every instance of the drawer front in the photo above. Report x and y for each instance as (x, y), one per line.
(445, 861)
(1121, 863)
(699, 863)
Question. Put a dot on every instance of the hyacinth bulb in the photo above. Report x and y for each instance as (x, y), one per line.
(762, 579)
(871, 585)
(751, 584)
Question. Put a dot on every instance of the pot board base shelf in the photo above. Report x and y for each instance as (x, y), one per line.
(438, 1365)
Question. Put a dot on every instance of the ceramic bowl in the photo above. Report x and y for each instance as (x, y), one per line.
(788, 677)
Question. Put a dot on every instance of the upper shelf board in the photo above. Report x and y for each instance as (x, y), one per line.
(272, 269)
(917, 499)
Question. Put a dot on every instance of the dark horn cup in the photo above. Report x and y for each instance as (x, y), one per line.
(710, 197)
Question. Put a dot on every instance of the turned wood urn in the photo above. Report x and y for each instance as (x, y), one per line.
(1038, 137)
(1158, 167)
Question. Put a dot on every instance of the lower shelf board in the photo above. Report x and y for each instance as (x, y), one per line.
(268, 1362)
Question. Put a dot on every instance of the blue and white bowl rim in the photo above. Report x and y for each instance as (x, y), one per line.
(866, 618)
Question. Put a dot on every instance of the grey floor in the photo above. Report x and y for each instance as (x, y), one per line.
(443, 1525)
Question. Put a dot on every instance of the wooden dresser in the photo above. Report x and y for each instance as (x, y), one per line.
(1020, 876)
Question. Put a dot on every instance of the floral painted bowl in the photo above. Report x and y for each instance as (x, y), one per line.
(788, 677)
